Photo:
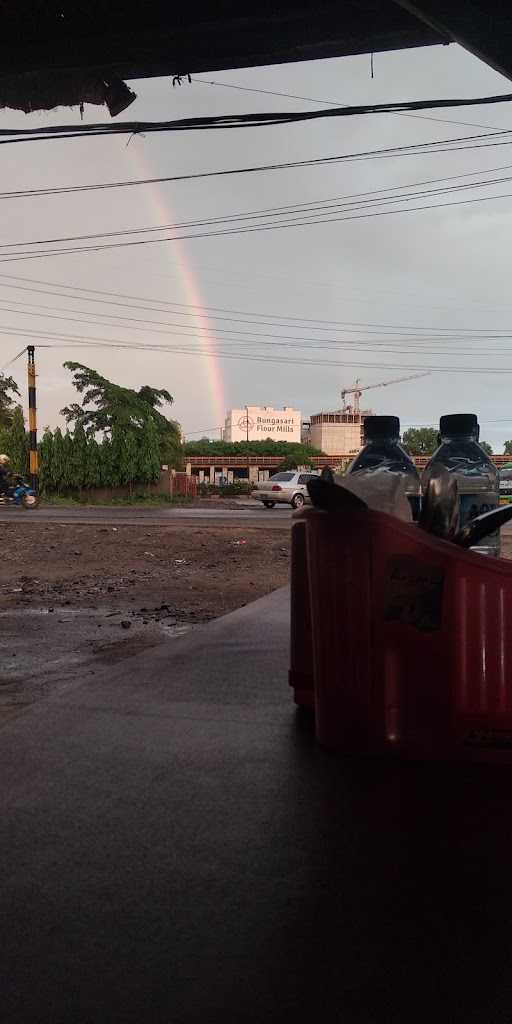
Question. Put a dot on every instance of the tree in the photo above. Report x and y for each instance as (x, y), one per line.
(107, 406)
(149, 454)
(4, 439)
(291, 462)
(67, 462)
(486, 447)
(8, 388)
(116, 455)
(58, 461)
(46, 462)
(421, 440)
(106, 459)
(17, 443)
(129, 460)
(507, 450)
(92, 464)
(292, 449)
(78, 457)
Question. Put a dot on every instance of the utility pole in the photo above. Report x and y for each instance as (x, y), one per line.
(32, 418)
(247, 438)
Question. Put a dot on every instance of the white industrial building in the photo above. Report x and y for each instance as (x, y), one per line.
(257, 423)
(337, 433)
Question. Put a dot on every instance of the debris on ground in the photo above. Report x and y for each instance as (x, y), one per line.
(115, 597)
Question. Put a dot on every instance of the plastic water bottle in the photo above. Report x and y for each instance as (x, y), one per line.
(477, 477)
(382, 450)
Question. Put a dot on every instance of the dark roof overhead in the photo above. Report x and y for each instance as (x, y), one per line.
(66, 42)
(143, 38)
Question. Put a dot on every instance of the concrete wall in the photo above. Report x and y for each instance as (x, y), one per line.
(333, 438)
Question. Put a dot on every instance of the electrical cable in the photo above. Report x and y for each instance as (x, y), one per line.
(387, 347)
(340, 364)
(210, 311)
(308, 210)
(413, 149)
(11, 361)
(226, 121)
(152, 326)
(278, 226)
(328, 103)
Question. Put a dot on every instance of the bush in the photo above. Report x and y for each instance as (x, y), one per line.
(236, 488)
(206, 490)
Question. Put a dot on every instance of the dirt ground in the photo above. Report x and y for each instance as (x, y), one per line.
(198, 573)
(75, 599)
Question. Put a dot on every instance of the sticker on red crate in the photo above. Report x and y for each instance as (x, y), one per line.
(414, 593)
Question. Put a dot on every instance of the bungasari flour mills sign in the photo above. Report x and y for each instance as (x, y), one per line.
(259, 423)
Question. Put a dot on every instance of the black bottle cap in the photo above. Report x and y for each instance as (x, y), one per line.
(458, 424)
(377, 427)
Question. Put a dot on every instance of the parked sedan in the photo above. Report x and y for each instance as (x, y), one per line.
(287, 488)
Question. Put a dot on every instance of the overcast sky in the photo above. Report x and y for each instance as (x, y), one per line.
(444, 268)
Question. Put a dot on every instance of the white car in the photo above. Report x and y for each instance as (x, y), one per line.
(286, 488)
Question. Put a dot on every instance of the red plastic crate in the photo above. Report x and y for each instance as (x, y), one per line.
(300, 675)
(412, 641)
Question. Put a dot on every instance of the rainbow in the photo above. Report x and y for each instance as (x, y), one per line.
(160, 207)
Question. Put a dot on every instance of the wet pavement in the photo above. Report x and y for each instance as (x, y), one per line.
(158, 515)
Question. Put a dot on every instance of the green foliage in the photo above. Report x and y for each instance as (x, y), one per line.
(107, 407)
(137, 437)
(149, 454)
(46, 462)
(78, 463)
(116, 455)
(16, 443)
(507, 450)
(292, 462)
(58, 465)
(129, 459)
(4, 439)
(486, 447)
(8, 388)
(107, 463)
(92, 476)
(301, 452)
(421, 440)
(110, 409)
(171, 449)
(67, 445)
(236, 488)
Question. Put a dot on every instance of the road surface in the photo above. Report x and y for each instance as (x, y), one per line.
(155, 516)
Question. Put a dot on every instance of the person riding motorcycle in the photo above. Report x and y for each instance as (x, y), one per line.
(5, 473)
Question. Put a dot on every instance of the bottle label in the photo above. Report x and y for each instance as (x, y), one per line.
(473, 505)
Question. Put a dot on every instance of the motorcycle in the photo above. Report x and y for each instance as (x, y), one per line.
(20, 493)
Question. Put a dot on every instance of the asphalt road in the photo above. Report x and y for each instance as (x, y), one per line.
(155, 516)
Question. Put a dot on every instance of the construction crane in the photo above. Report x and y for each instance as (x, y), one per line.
(357, 390)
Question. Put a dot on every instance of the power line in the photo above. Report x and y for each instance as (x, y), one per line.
(13, 360)
(277, 226)
(387, 335)
(387, 347)
(340, 364)
(309, 210)
(208, 312)
(310, 99)
(413, 149)
(226, 121)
